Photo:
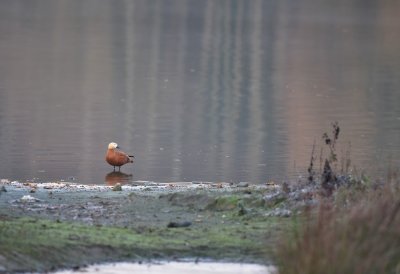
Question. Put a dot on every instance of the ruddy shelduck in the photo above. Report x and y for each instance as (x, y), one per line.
(117, 157)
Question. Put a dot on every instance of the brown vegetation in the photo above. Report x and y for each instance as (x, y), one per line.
(354, 229)
(362, 236)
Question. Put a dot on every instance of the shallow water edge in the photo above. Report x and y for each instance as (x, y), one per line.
(175, 268)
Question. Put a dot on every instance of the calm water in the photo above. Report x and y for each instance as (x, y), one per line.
(176, 268)
(196, 90)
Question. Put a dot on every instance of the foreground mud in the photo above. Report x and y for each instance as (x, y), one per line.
(50, 226)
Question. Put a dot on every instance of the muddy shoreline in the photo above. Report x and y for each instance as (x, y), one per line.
(59, 225)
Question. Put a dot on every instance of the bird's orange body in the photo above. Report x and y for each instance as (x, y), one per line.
(116, 157)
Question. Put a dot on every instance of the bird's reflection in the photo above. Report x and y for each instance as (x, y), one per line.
(115, 177)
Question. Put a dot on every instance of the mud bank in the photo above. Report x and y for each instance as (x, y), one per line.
(60, 225)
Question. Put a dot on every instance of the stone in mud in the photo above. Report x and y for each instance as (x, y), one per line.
(179, 224)
(28, 199)
(3, 189)
(243, 184)
(117, 187)
(280, 212)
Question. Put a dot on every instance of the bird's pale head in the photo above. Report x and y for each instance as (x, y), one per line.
(112, 145)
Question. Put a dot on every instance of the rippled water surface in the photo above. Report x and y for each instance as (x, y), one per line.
(196, 90)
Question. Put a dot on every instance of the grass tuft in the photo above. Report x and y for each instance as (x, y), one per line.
(355, 231)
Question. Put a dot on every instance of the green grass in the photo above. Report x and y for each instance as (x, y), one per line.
(40, 245)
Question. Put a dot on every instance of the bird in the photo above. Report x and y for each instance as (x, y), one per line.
(117, 157)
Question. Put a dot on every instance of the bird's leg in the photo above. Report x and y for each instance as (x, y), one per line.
(119, 168)
(114, 168)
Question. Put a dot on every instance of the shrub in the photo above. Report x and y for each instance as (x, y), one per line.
(360, 236)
